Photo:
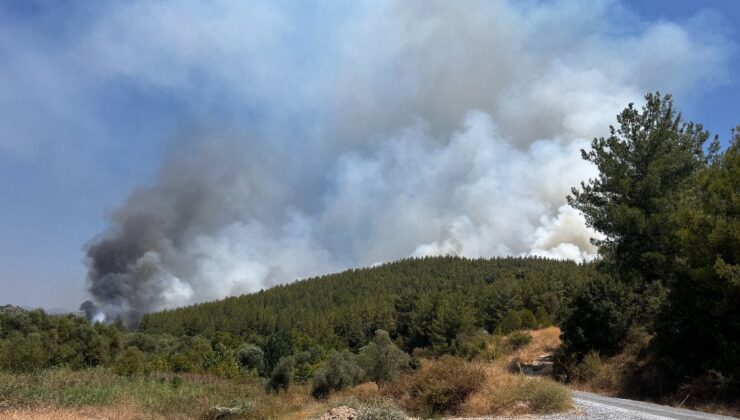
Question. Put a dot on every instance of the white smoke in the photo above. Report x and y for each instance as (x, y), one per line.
(413, 128)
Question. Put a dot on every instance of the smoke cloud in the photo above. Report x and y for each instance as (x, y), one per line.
(371, 133)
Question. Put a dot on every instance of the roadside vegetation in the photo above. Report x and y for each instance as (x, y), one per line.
(381, 381)
(656, 316)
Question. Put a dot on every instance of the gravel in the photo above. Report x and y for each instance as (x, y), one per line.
(597, 407)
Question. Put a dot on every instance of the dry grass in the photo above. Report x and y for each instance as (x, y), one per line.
(98, 393)
(449, 385)
(123, 411)
(438, 387)
(506, 394)
(544, 342)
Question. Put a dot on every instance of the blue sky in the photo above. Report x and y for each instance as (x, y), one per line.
(95, 96)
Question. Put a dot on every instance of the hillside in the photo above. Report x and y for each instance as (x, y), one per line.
(409, 298)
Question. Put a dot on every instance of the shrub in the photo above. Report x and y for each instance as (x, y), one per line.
(589, 368)
(305, 366)
(518, 340)
(471, 346)
(278, 345)
(282, 375)
(534, 395)
(439, 387)
(381, 359)
(529, 321)
(511, 322)
(130, 362)
(23, 353)
(546, 396)
(599, 318)
(340, 371)
(251, 357)
(543, 318)
(494, 348)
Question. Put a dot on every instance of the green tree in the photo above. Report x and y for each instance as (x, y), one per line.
(511, 322)
(381, 359)
(282, 375)
(23, 353)
(279, 344)
(450, 321)
(643, 166)
(598, 319)
(131, 362)
(340, 370)
(543, 318)
(529, 321)
(699, 327)
(251, 357)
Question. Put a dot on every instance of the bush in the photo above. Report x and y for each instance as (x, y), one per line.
(251, 357)
(518, 340)
(381, 359)
(511, 322)
(546, 396)
(23, 353)
(439, 387)
(529, 321)
(282, 375)
(599, 318)
(589, 368)
(278, 345)
(537, 395)
(543, 318)
(304, 366)
(130, 362)
(340, 371)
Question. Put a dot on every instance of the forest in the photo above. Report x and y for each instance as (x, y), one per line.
(655, 316)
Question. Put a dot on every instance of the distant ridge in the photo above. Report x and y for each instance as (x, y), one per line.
(11, 308)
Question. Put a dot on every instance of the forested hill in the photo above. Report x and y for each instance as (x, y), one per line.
(422, 302)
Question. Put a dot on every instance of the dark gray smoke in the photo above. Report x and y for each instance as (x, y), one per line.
(413, 128)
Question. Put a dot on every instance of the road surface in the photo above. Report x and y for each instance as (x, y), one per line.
(592, 406)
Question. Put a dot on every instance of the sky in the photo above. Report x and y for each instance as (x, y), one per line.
(157, 154)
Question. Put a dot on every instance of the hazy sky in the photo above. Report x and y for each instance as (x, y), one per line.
(283, 139)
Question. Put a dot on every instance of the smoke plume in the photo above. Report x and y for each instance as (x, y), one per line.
(376, 132)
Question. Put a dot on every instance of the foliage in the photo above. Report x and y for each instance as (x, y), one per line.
(545, 396)
(251, 357)
(519, 339)
(643, 166)
(130, 362)
(381, 359)
(698, 330)
(668, 211)
(599, 318)
(440, 387)
(511, 322)
(282, 375)
(34, 340)
(279, 344)
(415, 300)
(529, 321)
(340, 371)
(543, 318)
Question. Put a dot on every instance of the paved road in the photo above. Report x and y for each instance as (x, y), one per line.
(592, 406)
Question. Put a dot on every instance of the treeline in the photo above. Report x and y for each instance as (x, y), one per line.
(34, 340)
(422, 303)
(667, 200)
(662, 302)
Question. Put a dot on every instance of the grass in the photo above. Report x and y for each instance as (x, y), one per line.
(444, 386)
(507, 394)
(64, 393)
